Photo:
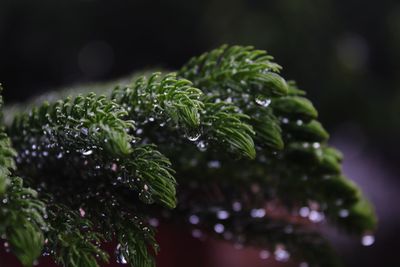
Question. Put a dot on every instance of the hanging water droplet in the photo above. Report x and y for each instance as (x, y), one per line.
(257, 213)
(228, 100)
(193, 136)
(82, 212)
(114, 167)
(367, 240)
(285, 120)
(264, 254)
(281, 254)
(237, 206)
(316, 216)
(219, 228)
(343, 213)
(222, 214)
(84, 131)
(304, 211)
(316, 145)
(87, 152)
(120, 256)
(202, 146)
(194, 219)
(59, 155)
(262, 101)
(214, 164)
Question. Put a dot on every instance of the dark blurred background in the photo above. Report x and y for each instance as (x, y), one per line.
(345, 54)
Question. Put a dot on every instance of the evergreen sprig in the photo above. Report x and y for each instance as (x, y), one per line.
(245, 146)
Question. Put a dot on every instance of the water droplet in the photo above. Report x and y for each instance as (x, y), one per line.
(316, 216)
(87, 153)
(114, 167)
(257, 213)
(367, 240)
(219, 228)
(222, 214)
(194, 219)
(264, 254)
(316, 145)
(237, 206)
(343, 213)
(151, 119)
(299, 122)
(285, 120)
(281, 254)
(120, 256)
(193, 136)
(82, 212)
(263, 101)
(214, 164)
(84, 131)
(304, 211)
(202, 146)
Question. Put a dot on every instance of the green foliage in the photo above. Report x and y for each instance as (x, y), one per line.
(251, 160)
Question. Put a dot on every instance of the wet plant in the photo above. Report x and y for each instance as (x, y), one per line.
(243, 145)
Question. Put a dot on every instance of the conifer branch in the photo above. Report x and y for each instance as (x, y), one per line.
(99, 162)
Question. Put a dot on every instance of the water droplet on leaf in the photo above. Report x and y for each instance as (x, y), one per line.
(281, 254)
(219, 228)
(263, 101)
(367, 240)
(222, 214)
(194, 219)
